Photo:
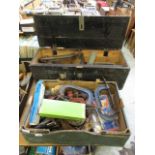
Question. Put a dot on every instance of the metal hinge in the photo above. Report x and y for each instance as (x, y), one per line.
(81, 23)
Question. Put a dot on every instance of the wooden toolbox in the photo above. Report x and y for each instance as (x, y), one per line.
(79, 50)
(93, 51)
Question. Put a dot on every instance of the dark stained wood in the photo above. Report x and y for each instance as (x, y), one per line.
(100, 32)
(89, 72)
(117, 71)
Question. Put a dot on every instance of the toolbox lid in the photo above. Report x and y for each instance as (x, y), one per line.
(91, 32)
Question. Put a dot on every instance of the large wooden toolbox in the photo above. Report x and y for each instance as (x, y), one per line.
(70, 136)
(92, 50)
(99, 38)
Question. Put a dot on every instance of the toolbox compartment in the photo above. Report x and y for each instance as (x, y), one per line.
(79, 137)
(112, 66)
(101, 34)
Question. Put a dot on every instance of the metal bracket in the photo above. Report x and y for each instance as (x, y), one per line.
(106, 53)
(92, 57)
(54, 49)
(81, 23)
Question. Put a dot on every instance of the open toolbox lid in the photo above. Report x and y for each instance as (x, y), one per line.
(91, 32)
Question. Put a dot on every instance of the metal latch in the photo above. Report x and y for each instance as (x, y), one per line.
(81, 23)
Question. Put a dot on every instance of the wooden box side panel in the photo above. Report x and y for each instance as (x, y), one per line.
(68, 138)
(90, 73)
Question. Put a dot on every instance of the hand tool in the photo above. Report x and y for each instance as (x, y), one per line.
(59, 57)
(50, 124)
(109, 93)
(83, 90)
(75, 96)
(38, 96)
(111, 115)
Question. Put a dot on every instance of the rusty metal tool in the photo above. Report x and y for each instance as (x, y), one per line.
(59, 57)
(86, 91)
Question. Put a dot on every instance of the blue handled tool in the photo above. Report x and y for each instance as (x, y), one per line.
(38, 97)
